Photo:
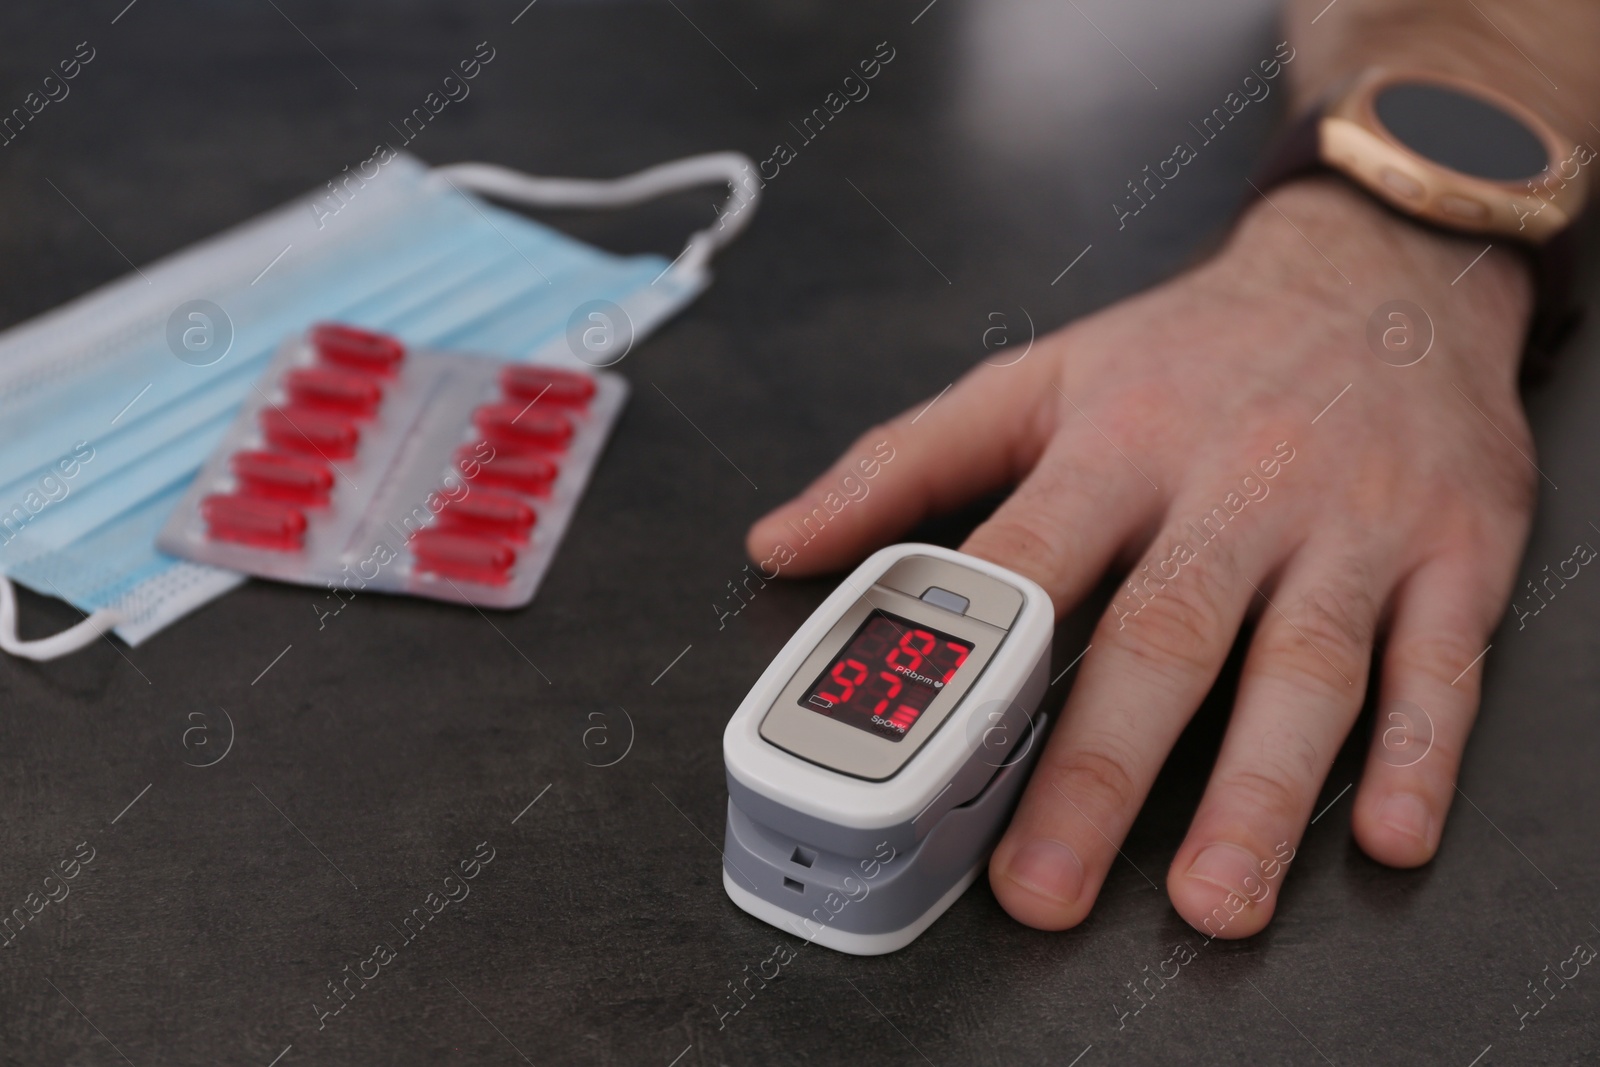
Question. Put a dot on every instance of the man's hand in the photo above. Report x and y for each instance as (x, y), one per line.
(1232, 435)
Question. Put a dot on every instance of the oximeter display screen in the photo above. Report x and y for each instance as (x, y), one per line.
(886, 675)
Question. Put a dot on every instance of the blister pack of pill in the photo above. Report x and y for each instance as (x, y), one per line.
(359, 465)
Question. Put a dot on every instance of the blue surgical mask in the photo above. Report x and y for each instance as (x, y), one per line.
(112, 402)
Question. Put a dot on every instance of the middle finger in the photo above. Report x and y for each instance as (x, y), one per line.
(1156, 652)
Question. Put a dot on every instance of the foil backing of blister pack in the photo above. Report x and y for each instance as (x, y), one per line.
(459, 483)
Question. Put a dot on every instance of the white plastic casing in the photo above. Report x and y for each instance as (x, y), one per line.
(845, 801)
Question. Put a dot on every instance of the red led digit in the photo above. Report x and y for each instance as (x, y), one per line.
(279, 476)
(468, 557)
(512, 425)
(847, 685)
(906, 656)
(337, 390)
(546, 385)
(889, 694)
(490, 512)
(961, 652)
(306, 430)
(357, 349)
(252, 521)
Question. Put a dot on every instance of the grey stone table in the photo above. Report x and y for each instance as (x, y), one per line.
(406, 736)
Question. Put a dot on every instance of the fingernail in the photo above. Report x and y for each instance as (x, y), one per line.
(1049, 868)
(1226, 867)
(1407, 814)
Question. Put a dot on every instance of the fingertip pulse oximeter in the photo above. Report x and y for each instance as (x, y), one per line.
(873, 766)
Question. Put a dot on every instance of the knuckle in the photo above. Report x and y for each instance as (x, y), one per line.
(1329, 642)
(1175, 632)
(1442, 759)
(1281, 794)
(1017, 539)
(1344, 608)
(1097, 776)
(1429, 768)
(1436, 658)
(1295, 757)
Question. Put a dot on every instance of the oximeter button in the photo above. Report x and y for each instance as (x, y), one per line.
(524, 473)
(303, 429)
(546, 385)
(515, 425)
(277, 476)
(944, 598)
(253, 521)
(357, 349)
(454, 555)
(340, 390)
(490, 512)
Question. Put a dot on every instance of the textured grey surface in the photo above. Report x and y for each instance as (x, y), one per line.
(378, 752)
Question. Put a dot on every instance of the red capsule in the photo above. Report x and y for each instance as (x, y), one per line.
(357, 349)
(523, 472)
(546, 385)
(335, 390)
(465, 556)
(297, 428)
(252, 521)
(490, 512)
(278, 476)
(513, 425)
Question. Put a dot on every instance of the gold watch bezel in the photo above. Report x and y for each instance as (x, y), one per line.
(1353, 140)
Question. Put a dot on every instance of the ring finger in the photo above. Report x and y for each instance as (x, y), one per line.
(1302, 687)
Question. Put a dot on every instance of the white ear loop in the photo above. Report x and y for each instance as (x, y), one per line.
(731, 168)
(56, 645)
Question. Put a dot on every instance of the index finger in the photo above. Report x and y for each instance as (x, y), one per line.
(985, 432)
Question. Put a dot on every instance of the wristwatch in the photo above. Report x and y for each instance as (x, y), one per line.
(1460, 156)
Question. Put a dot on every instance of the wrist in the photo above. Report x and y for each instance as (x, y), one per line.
(1323, 241)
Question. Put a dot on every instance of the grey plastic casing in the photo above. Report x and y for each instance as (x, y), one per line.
(865, 885)
(896, 888)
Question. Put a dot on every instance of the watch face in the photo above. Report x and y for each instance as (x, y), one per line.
(1461, 132)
